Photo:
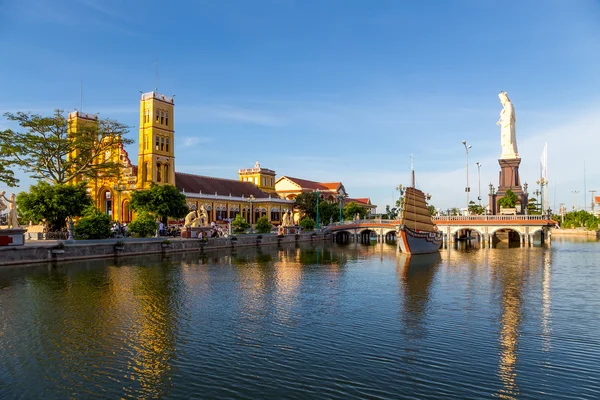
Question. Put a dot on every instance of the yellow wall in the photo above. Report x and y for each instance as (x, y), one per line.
(156, 140)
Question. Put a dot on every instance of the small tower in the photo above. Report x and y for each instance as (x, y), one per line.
(77, 122)
(263, 178)
(156, 159)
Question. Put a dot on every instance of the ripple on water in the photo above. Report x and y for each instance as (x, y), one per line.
(333, 322)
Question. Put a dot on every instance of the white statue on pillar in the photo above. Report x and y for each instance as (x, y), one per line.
(507, 122)
(12, 222)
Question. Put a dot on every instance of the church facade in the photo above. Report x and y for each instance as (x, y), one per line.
(252, 196)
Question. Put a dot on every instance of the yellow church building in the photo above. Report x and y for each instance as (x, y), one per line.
(253, 195)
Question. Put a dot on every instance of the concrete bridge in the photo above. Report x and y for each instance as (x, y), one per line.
(361, 230)
(525, 228)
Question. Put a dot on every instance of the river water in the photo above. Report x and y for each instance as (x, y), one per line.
(337, 322)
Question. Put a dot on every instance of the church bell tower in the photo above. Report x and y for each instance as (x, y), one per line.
(156, 157)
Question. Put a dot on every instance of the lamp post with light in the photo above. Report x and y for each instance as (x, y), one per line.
(340, 200)
(479, 182)
(542, 182)
(318, 195)
(119, 188)
(467, 189)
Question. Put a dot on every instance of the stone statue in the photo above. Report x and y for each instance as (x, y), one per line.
(196, 218)
(190, 218)
(13, 221)
(285, 220)
(507, 123)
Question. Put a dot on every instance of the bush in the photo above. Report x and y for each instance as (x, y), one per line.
(509, 200)
(307, 224)
(239, 224)
(93, 225)
(144, 225)
(263, 225)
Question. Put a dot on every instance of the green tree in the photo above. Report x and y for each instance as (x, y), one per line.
(391, 213)
(263, 225)
(475, 208)
(7, 176)
(432, 211)
(143, 225)
(53, 202)
(580, 219)
(509, 200)
(533, 206)
(307, 204)
(45, 149)
(307, 223)
(93, 225)
(328, 212)
(239, 224)
(160, 200)
(352, 209)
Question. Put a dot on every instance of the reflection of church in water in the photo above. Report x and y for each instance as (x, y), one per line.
(255, 194)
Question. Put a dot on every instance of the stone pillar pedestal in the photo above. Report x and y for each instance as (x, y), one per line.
(12, 237)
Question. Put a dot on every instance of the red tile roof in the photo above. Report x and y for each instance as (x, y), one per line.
(306, 184)
(597, 199)
(189, 183)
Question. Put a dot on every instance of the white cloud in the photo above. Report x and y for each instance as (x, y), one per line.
(230, 113)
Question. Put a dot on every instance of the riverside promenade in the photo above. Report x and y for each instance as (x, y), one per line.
(56, 251)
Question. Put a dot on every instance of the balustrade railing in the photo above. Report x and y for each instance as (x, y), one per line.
(490, 218)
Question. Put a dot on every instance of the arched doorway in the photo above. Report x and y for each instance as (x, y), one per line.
(105, 201)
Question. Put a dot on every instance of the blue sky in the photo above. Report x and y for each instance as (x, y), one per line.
(327, 90)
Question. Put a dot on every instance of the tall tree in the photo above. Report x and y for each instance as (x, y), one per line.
(352, 209)
(46, 149)
(160, 200)
(307, 203)
(52, 202)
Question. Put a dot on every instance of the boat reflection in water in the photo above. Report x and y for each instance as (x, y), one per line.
(416, 273)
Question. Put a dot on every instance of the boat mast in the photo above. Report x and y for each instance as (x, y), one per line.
(412, 170)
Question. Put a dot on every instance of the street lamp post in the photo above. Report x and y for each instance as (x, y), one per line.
(318, 195)
(119, 188)
(479, 182)
(467, 189)
(575, 192)
(542, 182)
(340, 198)
(537, 195)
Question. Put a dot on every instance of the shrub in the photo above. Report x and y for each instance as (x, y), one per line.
(509, 200)
(307, 224)
(263, 225)
(239, 224)
(144, 225)
(93, 225)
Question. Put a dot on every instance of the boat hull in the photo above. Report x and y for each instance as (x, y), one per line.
(418, 242)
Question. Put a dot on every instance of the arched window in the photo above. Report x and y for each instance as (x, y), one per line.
(145, 172)
(167, 146)
(157, 116)
(158, 172)
(166, 173)
(162, 117)
(157, 143)
(162, 144)
(167, 119)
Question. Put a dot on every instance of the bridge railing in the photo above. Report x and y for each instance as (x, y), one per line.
(491, 218)
(366, 221)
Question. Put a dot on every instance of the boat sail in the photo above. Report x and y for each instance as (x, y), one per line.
(417, 234)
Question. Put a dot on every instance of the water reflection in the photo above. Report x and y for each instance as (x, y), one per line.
(416, 274)
(309, 321)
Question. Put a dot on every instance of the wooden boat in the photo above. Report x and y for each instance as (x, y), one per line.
(417, 234)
